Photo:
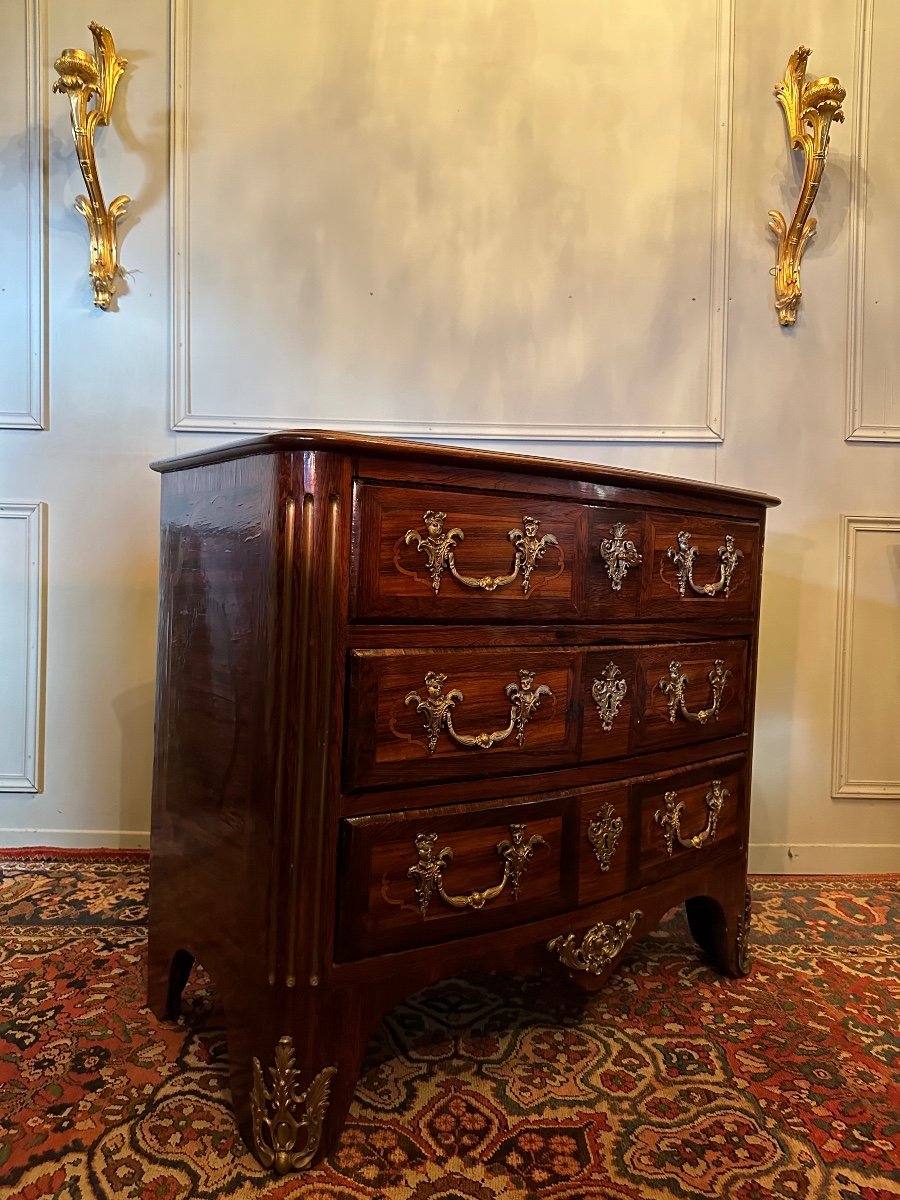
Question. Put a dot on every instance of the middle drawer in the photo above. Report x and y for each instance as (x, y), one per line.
(436, 715)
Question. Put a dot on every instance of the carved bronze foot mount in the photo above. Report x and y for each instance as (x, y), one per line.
(287, 1122)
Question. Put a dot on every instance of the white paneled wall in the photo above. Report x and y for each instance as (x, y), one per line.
(107, 387)
(787, 404)
(540, 226)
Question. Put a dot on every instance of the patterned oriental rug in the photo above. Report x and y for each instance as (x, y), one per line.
(672, 1082)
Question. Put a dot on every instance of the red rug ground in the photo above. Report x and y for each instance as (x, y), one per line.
(673, 1082)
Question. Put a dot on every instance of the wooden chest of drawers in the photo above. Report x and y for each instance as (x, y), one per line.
(423, 709)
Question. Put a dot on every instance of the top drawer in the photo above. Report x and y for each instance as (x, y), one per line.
(437, 555)
(440, 555)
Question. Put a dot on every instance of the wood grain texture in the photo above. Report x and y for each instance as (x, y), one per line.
(388, 740)
(594, 881)
(380, 908)
(691, 789)
(661, 596)
(392, 578)
(386, 458)
(655, 725)
(214, 770)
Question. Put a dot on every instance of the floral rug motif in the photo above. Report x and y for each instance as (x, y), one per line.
(671, 1083)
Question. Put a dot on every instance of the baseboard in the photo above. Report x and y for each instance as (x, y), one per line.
(813, 859)
(82, 839)
(764, 859)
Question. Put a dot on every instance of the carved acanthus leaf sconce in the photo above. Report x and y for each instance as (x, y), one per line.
(84, 76)
(809, 108)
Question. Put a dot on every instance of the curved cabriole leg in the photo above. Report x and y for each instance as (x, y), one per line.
(590, 983)
(167, 976)
(722, 931)
(293, 1080)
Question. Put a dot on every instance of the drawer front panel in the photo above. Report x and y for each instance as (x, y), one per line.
(421, 877)
(691, 692)
(690, 815)
(420, 716)
(435, 555)
(604, 834)
(425, 716)
(700, 567)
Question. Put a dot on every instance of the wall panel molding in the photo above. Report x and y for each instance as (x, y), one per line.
(181, 27)
(882, 686)
(191, 411)
(720, 226)
(860, 426)
(32, 413)
(22, 655)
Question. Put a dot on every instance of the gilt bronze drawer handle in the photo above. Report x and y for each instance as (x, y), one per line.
(438, 548)
(604, 831)
(670, 819)
(608, 694)
(619, 553)
(436, 708)
(684, 556)
(676, 683)
(428, 872)
(599, 946)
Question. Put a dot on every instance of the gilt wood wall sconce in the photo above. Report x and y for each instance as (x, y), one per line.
(84, 76)
(809, 108)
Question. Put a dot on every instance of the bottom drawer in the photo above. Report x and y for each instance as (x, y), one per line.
(413, 878)
(426, 876)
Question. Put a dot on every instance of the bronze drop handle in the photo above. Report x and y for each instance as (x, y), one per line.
(670, 819)
(428, 872)
(683, 558)
(439, 549)
(437, 709)
(675, 685)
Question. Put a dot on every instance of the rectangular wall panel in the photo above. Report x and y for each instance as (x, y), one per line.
(22, 217)
(22, 602)
(866, 742)
(873, 347)
(453, 219)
